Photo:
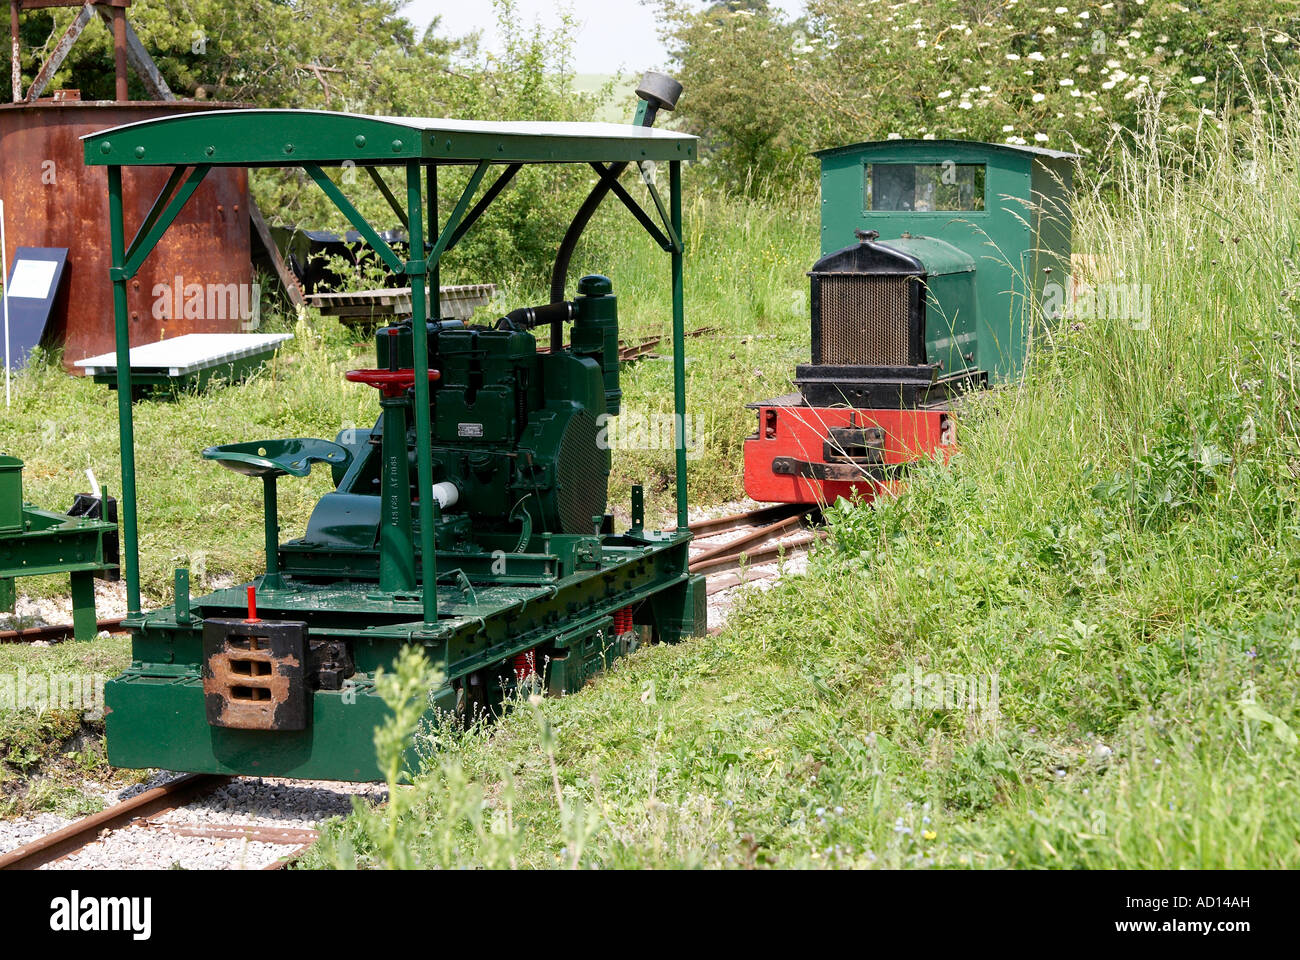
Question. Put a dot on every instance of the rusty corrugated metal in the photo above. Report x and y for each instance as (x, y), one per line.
(53, 200)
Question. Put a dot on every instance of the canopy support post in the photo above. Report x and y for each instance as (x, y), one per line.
(354, 216)
(489, 195)
(648, 179)
(679, 340)
(435, 268)
(388, 194)
(126, 428)
(634, 208)
(458, 213)
(416, 271)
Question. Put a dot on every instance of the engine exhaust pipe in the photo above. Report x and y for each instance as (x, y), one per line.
(657, 91)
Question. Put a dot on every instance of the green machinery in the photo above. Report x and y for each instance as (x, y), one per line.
(938, 256)
(947, 212)
(471, 520)
(81, 543)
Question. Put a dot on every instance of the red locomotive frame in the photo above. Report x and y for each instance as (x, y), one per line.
(786, 460)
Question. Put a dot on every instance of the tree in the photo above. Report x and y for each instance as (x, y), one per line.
(358, 56)
(1067, 75)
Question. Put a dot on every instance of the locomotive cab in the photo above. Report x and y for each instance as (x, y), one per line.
(937, 256)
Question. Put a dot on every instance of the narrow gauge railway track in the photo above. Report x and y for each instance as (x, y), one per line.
(724, 544)
(142, 812)
(53, 632)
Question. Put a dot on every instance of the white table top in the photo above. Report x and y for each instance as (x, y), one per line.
(188, 354)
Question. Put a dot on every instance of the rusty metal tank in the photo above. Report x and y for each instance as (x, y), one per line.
(52, 199)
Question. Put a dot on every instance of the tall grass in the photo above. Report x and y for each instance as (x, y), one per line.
(1116, 544)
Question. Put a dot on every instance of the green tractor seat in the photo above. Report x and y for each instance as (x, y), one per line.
(270, 459)
(275, 458)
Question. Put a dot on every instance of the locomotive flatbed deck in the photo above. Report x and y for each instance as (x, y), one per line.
(478, 625)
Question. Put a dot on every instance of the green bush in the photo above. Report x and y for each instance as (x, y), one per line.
(763, 90)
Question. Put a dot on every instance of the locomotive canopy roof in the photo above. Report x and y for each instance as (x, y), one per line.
(297, 137)
(940, 145)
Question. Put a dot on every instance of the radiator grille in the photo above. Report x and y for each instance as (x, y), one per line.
(864, 320)
(582, 469)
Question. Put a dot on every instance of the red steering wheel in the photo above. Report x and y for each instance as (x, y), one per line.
(392, 383)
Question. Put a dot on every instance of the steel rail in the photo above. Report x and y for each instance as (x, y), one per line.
(734, 547)
(756, 555)
(74, 836)
(51, 631)
(738, 521)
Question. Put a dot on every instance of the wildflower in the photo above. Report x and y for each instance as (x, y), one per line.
(1039, 97)
(929, 835)
(1196, 81)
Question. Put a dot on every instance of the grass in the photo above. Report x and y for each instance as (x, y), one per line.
(47, 750)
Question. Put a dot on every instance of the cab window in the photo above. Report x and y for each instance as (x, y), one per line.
(924, 187)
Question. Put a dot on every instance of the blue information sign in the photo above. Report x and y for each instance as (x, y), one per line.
(32, 287)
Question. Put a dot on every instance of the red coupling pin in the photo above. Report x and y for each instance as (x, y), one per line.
(252, 604)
